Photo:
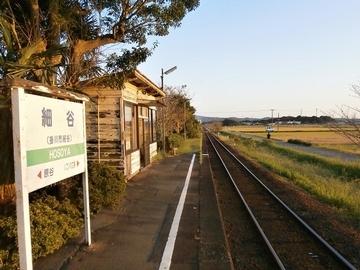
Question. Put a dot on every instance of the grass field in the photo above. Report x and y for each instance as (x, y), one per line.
(190, 146)
(333, 182)
(319, 136)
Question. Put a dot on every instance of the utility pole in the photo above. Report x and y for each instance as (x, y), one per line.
(272, 116)
(185, 119)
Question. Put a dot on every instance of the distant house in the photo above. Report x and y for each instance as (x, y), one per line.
(121, 123)
(294, 122)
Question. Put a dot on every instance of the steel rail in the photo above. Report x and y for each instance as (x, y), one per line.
(302, 222)
(270, 247)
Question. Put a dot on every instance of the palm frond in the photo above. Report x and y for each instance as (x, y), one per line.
(8, 35)
(27, 53)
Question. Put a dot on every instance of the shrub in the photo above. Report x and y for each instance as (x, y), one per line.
(175, 140)
(193, 128)
(52, 224)
(106, 187)
(300, 142)
(249, 143)
(9, 255)
(267, 143)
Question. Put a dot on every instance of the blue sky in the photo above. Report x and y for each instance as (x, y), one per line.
(243, 58)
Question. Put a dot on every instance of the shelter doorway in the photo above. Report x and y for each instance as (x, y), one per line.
(141, 143)
(144, 141)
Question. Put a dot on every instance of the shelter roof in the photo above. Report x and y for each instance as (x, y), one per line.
(135, 78)
(144, 84)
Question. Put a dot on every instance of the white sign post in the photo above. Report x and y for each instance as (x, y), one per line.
(49, 138)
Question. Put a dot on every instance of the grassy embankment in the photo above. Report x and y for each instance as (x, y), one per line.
(188, 146)
(334, 182)
(191, 146)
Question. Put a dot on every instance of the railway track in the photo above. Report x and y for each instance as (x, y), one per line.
(269, 234)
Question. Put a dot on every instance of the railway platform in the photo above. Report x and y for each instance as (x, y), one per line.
(148, 230)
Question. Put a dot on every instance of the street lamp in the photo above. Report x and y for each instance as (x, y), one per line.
(166, 73)
(162, 88)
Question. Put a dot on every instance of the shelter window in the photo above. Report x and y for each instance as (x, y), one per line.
(143, 112)
(153, 125)
(147, 132)
(131, 141)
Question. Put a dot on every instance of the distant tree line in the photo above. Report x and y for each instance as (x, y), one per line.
(312, 120)
(308, 119)
(231, 122)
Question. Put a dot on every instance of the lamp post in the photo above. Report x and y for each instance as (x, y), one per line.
(166, 73)
(162, 88)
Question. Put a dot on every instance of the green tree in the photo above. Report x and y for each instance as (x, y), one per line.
(178, 115)
(230, 122)
(39, 38)
(193, 127)
(63, 42)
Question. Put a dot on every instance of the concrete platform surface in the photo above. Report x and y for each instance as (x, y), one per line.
(134, 235)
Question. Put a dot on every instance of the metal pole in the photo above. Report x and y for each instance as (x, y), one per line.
(163, 133)
(162, 79)
(162, 112)
(185, 120)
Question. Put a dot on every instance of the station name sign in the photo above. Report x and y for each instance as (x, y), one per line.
(49, 139)
(54, 141)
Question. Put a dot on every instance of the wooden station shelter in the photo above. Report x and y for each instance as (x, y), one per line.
(121, 123)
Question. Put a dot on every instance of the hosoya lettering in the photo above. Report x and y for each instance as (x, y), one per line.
(59, 153)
